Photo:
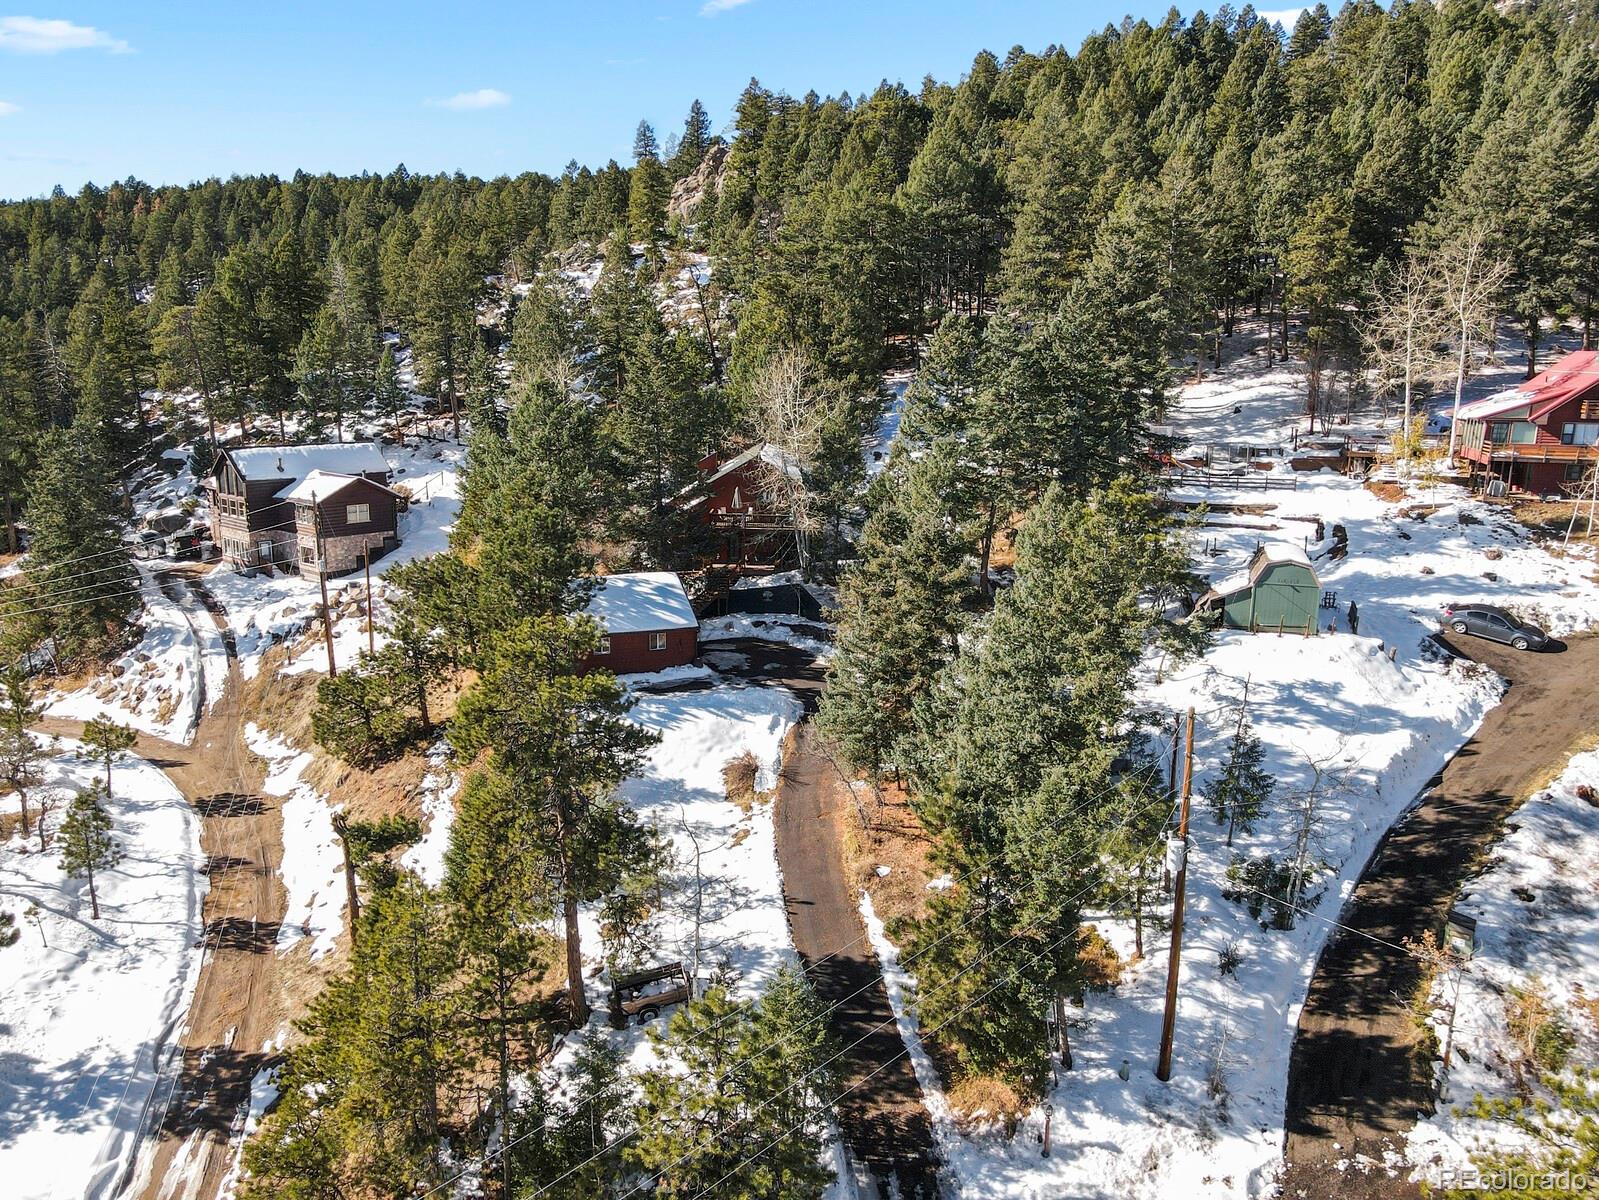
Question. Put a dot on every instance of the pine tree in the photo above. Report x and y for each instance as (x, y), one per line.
(563, 742)
(695, 140)
(644, 143)
(366, 1093)
(739, 1106)
(1240, 793)
(107, 739)
(900, 610)
(19, 753)
(72, 516)
(86, 841)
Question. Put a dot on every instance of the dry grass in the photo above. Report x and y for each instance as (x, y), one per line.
(1392, 493)
(1549, 519)
(981, 1102)
(9, 824)
(1102, 967)
(738, 778)
(882, 830)
(1003, 553)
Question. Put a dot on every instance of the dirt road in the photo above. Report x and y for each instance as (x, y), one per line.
(884, 1121)
(205, 1074)
(1359, 1075)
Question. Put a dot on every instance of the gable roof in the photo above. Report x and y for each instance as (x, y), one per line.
(324, 485)
(293, 463)
(1274, 554)
(641, 602)
(1573, 376)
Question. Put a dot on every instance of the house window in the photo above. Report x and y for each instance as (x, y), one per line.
(307, 554)
(1580, 433)
(657, 641)
(1575, 471)
(357, 514)
(1499, 433)
(264, 550)
(605, 646)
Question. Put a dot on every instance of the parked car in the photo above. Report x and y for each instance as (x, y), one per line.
(1495, 624)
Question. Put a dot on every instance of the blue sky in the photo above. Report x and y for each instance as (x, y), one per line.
(173, 92)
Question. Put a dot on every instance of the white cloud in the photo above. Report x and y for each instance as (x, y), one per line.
(468, 101)
(1286, 17)
(38, 35)
(711, 7)
(7, 108)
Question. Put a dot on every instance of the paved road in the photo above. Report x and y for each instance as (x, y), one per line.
(884, 1121)
(1359, 1076)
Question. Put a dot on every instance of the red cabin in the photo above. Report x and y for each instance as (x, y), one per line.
(646, 621)
(1541, 436)
(732, 499)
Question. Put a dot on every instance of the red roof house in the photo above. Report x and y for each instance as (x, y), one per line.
(1540, 436)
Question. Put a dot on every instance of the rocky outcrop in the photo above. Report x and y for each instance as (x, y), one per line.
(690, 192)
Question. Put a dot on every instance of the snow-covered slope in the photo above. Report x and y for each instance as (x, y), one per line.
(90, 1005)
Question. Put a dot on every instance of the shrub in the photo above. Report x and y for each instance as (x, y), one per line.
(979, 1101)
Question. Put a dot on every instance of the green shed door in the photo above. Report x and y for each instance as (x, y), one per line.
(1287, 596)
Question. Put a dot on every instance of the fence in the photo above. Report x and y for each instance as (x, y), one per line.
(1252, 481)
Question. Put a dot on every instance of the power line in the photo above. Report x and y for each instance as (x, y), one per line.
(865, 987)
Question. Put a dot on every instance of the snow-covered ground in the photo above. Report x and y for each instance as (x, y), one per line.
(881, 440)
(767, 627)
(439, 788)
(313, 864)
(89, 1005)
(1537, 913)
(682, 793)
(162, 685)
(1375, 714)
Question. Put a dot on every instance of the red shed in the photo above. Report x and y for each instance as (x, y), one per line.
(648, 623)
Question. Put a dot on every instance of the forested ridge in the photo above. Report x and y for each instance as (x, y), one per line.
(1050, 242)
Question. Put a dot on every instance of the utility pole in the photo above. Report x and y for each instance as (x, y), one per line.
(341, 826)
(371, 628)
(322, 580)
(1174, 961)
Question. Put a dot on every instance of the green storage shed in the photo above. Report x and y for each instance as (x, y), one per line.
(1277, 591)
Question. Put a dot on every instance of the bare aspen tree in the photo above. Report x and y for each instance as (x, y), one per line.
(1403, 332)
(1470, 277)
(791, 412)
(1328, 777)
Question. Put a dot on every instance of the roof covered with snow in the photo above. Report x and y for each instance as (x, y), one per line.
(1496, 405)
(322, 485)
(293, 463)
(641, 602)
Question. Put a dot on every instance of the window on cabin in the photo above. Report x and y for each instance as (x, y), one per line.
(657, 641)
(357, 514)
(307, 554)
(1580, 433)
(604, 647)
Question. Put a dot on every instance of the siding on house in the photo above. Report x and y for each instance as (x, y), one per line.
(256, 521)
(631, 652)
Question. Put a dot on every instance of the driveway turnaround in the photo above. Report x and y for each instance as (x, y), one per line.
(1361, 1069)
